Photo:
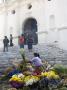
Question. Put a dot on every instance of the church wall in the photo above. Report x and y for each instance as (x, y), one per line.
(50, 16)
(63, 38)
(37, 12)
(57, 27)
(1, 29)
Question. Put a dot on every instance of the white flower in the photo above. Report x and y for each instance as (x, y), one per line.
(20, 75)
(22, 51)
(29, 82)
(35, 80)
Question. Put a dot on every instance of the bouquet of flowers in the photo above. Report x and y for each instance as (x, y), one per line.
(50, 75)
(29, 80)
(17, 81)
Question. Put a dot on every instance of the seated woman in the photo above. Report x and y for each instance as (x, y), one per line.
(37, 63)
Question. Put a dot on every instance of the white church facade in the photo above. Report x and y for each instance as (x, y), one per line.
(45, 20)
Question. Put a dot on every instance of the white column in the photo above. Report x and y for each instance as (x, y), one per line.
(18, 19)
(5, 19)
(4, 1)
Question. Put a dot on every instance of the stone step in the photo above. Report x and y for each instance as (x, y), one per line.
(51, 53)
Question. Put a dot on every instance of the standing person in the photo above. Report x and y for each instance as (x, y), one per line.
(5, 42)
(30, 42)
(21, 41)
(11, 40)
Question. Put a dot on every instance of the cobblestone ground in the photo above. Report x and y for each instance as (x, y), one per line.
(49, 52)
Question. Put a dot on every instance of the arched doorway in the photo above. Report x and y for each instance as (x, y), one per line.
(30, 29)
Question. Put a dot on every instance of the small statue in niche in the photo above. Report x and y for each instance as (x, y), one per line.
(29, 6)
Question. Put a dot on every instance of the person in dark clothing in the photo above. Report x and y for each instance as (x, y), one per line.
(11, 40)
(30, 42)
(5, 42)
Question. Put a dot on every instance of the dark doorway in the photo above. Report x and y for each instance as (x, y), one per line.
(30, 29)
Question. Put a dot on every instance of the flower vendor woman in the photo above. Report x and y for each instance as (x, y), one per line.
(37, 63)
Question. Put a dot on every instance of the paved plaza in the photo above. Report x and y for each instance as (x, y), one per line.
(49, 52)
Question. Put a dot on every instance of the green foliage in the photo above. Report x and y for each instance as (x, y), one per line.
(63, 88)
(4, 78)
(25, 88)
(22, 66)
(65, 69)
(60, 69)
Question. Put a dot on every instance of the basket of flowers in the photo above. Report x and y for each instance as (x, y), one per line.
(16, 84)
(17, 81)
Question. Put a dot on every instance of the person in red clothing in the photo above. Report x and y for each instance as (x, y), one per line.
(21, 41)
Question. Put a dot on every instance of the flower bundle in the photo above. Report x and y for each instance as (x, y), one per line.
(20, 80)
(29, 80)
(22, 51)
(50, 75)
(17, 80)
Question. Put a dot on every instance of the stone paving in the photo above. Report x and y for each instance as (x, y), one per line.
(51, 53)
(48, 52)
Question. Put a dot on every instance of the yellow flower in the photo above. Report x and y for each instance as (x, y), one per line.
(56, 77)
(27, 78)
(44, 74)
(17, 78)
(35, 78)
(51, 74)
(31, 77)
